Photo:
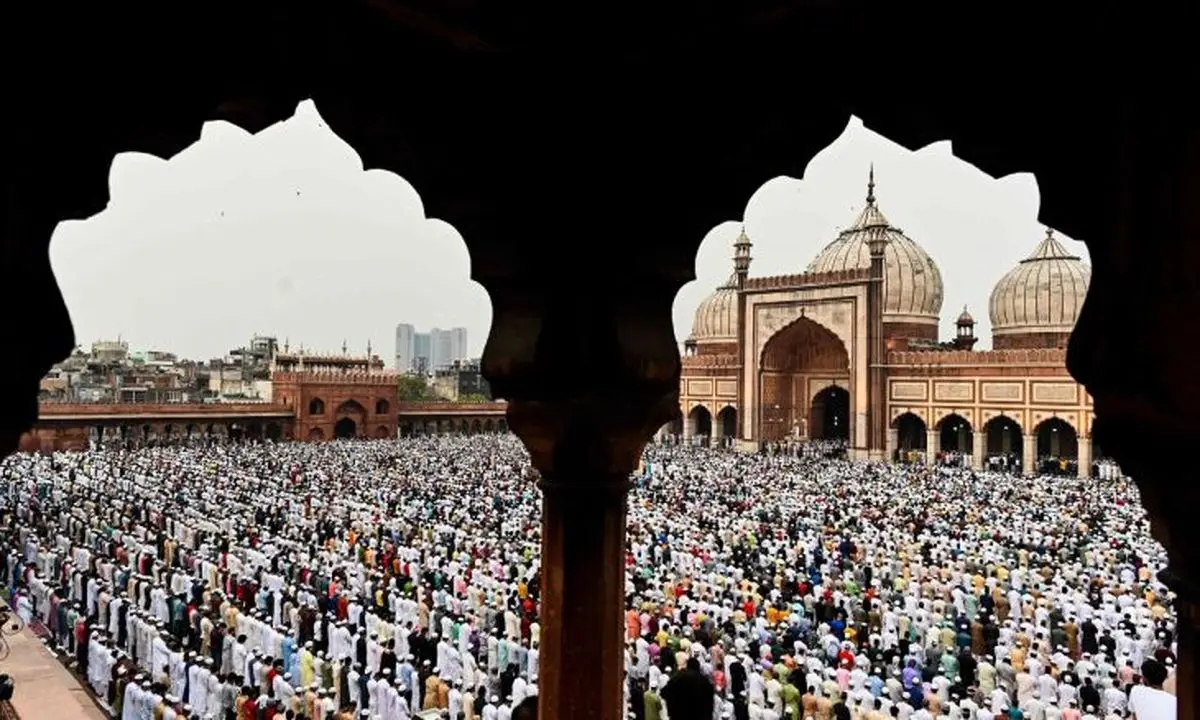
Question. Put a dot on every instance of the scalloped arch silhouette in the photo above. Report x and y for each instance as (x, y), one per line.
(232, 188)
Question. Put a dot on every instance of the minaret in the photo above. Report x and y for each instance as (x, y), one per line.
(877, 243)
(741, 271)
(741, 258)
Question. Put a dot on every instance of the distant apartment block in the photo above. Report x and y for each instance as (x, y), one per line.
(426, 353)
(421, 360)
(406, 347)
(447, 347)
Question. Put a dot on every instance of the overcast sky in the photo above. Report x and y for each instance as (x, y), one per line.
(233, 236)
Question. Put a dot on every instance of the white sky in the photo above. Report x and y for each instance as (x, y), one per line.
(283, 233)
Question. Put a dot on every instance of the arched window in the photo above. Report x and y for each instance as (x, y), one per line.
(316, 406)
(381, 407)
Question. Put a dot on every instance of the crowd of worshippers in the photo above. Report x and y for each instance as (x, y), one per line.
(815, 448)
(393, 579)
(1008, 462)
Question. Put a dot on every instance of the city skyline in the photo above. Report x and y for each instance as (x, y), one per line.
(284, 229)
(428, 351)
(135, 349)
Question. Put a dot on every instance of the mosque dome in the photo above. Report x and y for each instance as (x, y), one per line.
(716, 318)
(1037, 303)
(912, 287)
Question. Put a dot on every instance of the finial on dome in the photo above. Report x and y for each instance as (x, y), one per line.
(871, 186)
(345, 347)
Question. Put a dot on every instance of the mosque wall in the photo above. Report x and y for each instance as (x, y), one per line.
(716, 349)
(709, 380)
(714, 391)
(51, 439)
(910, 330)
(1029, 340)
(66, 427)
(1027, 387)
(149, 423)
(978, 399)
(839, 308)
(325, 405)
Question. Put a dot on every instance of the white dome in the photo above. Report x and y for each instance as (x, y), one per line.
(1042, 294)
(716, 318)
(912, 286)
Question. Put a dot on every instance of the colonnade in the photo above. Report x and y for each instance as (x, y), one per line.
(978, 454)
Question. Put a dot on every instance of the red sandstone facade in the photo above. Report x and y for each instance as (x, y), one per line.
(339, 405)
(307, 406)
(849, 350)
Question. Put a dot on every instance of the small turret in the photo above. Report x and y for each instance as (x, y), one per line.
(964, 336)
(741, 258)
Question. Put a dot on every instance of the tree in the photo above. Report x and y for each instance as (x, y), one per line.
(414, 388)
(474, 398)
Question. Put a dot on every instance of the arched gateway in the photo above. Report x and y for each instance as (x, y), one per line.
(803, 378)
(345, 429)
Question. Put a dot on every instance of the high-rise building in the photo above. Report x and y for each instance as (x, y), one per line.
(405, 347)
(421, 356)
(426, 353)
(447, 347)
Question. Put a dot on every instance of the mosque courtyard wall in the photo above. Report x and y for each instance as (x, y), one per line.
(1027, 387)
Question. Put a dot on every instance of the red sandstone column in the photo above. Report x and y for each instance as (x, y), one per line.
(585, 451)
(1187, 684)
(583, 590)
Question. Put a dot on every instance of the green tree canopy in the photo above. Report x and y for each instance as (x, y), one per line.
(414, 388)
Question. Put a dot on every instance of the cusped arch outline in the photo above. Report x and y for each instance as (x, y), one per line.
(351, 407)
(775, 321)
(953, 414)
(777, 335)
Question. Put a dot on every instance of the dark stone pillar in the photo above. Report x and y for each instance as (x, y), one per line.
(1127, 347)
(585, 479)
(588, 384)
(1187, 683)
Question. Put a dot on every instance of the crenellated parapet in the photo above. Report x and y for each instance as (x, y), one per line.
(1019, 357)
(335, 377)
(809, 279)
(709, 361)
(322, 359)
